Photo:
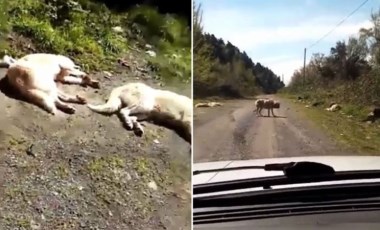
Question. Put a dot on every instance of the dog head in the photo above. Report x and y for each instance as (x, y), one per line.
(276, 105)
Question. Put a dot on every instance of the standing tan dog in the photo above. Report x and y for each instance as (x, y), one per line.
(73, 74)
(136, 101)
(35, 81)
(268, 104)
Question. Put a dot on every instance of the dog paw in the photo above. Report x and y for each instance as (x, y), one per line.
(70, 110)
(129, 125)
(52, 111)
(94, 84)
(139, 132)
(81, 99)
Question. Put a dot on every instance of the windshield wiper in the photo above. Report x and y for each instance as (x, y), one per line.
(294, 173)
(301, 168)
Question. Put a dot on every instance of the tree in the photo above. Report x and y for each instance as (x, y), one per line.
(202, 63)
(4, 26)
(372, 37)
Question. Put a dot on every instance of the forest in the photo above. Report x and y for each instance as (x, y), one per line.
(221, 69)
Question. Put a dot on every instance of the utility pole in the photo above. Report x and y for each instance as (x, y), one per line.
(304, 67)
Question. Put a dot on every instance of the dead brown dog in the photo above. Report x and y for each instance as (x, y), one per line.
(268, 104)
(35, 82)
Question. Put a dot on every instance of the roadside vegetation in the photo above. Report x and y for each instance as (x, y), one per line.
(95, 35)
(350, 77)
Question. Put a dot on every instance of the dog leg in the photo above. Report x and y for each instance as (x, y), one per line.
(86, 80)
(64, 107)
(71, 80)
(273, 113)
(137, 127)
(42, 99)
(73, 99)
(131, 121)
(80, 80)
(125, 115)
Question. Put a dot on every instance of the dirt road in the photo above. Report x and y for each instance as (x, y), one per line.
(85, 171)
(233, 131)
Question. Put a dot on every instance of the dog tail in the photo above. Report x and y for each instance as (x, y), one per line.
(113, 104)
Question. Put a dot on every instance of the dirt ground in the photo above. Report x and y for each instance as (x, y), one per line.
(233, 132)
(85, 171)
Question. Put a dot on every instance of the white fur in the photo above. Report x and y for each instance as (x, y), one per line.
(333, 108)
(140, 99)
(55, 62)
(35, 81)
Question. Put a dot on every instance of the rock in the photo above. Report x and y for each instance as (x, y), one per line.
(152, 185)
(151, 53)
(34, 225)
(108, 74)
(148, 46)
(118, 29)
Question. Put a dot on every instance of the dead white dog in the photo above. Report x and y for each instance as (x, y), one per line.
(268, 104)
(35, 81)
(136, 101)
(73, 74)
(334, 107)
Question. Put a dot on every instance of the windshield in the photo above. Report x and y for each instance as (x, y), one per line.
(275, 83)
(284, 83)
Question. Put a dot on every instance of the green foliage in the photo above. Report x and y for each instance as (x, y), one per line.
(83, 30)
(170, 35)
(202, 50)
(4, 27)
(349, 74)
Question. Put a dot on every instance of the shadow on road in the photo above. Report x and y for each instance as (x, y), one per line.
(273, 117)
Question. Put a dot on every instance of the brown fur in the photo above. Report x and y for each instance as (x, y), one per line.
(268, 104)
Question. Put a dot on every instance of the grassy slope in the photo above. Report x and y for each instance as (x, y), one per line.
(83, 31)
(344, 126)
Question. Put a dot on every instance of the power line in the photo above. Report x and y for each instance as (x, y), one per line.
(340, 23)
